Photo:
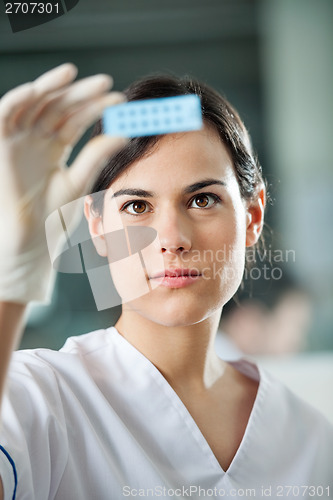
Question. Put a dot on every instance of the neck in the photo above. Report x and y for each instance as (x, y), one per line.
(184, 355)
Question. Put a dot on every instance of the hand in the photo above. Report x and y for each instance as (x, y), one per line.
(40, 122)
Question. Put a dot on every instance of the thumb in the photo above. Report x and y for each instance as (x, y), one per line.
(91, 160)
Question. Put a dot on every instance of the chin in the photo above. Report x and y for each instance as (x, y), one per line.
(173, 312)
(173, 321)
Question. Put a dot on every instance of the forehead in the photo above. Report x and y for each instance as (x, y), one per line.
(180, 159)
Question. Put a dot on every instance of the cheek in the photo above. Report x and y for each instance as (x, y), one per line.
(226, 236)
(129, 278)
(112, 220)
(131, 270)
(227, 244)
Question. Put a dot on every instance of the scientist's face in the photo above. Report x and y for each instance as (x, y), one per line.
(186, 189)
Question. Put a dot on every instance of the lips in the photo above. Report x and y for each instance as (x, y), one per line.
(176, 273)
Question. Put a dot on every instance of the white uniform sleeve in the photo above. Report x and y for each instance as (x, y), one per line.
(33, 437)
(8, 474)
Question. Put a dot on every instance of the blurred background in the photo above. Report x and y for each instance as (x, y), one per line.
(273, 60)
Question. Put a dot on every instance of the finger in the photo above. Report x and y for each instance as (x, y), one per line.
(56, 107)
(17, 101)
(55, 78)
(91, 160)
(50, 82)
(77, 123)
(11, 104)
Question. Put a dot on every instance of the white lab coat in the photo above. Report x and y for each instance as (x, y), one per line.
(97, 420)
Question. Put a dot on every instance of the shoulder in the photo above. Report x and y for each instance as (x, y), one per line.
(77, 346)
(89, 342)
(42, 383)
(279, 407)
(294, 438)
(44, 370)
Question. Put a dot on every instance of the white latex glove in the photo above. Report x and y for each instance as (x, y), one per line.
(40, 122)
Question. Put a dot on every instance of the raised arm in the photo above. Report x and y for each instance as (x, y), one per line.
(40, 122)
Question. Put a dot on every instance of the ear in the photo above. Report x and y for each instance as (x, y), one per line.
(255, 217)
(95, 223)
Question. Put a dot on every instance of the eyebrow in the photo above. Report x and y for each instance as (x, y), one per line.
(188, 190)
(202, 184)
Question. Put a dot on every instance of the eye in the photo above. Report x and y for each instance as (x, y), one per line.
(135, 207)
(204, 200)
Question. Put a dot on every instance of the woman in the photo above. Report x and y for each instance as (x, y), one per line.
(144, 408)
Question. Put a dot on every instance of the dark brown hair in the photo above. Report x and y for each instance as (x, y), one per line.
(216, 111)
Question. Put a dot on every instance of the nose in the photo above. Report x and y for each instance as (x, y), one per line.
(174, 232)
